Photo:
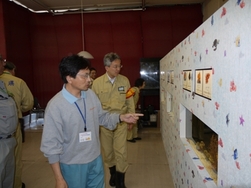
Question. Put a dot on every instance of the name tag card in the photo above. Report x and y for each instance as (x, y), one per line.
(85, 137)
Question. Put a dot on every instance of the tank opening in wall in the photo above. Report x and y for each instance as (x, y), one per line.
(202, 139)
(205, 144)
(206, 140)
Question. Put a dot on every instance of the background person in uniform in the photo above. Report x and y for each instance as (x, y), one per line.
(8, 126)
(24, 101)
(70, 136)
(132, 134)
(93, 73)
(111, 89)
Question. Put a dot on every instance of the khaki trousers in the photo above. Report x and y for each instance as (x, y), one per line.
(114, 147)
(133, 133)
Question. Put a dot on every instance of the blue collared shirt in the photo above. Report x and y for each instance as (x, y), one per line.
(71, 98)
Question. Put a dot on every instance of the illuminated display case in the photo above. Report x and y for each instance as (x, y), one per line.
(150, 72)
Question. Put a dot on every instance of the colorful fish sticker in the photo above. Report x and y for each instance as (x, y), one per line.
(217, 105)
(212, 20)
(208, 179)
(220, 82)
(242, 5)
(203, 32)
(215, 44)
(227, 119)
(232, 86)
(200, 167)
(241, 120)
(237, 165)
(235, 155)
(224, 12)
(220, 142)
(237, 41)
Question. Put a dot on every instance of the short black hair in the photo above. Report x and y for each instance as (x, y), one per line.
(9, 65)
(70, 66)
(92, 68)
(139, 82)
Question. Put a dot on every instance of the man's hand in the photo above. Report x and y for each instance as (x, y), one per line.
(61, 184)
(130, 118)
(129, 126)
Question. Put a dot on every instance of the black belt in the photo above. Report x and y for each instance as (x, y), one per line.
(9, 136)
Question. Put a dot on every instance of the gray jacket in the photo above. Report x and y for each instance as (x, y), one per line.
(63, 122)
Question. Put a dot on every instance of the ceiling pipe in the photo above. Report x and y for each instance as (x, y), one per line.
(143, 5)
(98, 11)
(91, 10)
(43, 5)
(84, 53)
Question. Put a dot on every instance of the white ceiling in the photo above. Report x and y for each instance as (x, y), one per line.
(55, 6)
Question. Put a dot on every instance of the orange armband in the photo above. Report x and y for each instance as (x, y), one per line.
(130, 92)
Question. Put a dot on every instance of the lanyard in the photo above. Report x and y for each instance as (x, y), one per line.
(83, 117)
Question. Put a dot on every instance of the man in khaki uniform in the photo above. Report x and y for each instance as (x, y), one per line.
(111, 89)
(132, 135)
(24, 101)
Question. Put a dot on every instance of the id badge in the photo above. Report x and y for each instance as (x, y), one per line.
(85, 136)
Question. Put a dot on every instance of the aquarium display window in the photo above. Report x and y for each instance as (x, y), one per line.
(150, 72)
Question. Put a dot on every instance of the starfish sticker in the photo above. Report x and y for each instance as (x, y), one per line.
(241, 120)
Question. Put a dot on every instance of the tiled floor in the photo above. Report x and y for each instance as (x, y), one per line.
(148, 166)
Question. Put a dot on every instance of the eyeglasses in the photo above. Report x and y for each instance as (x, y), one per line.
(117, 67)
(86, 76)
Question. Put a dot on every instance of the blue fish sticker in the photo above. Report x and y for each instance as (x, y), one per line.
(212, 20)
(235, 155)
(208, 179)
